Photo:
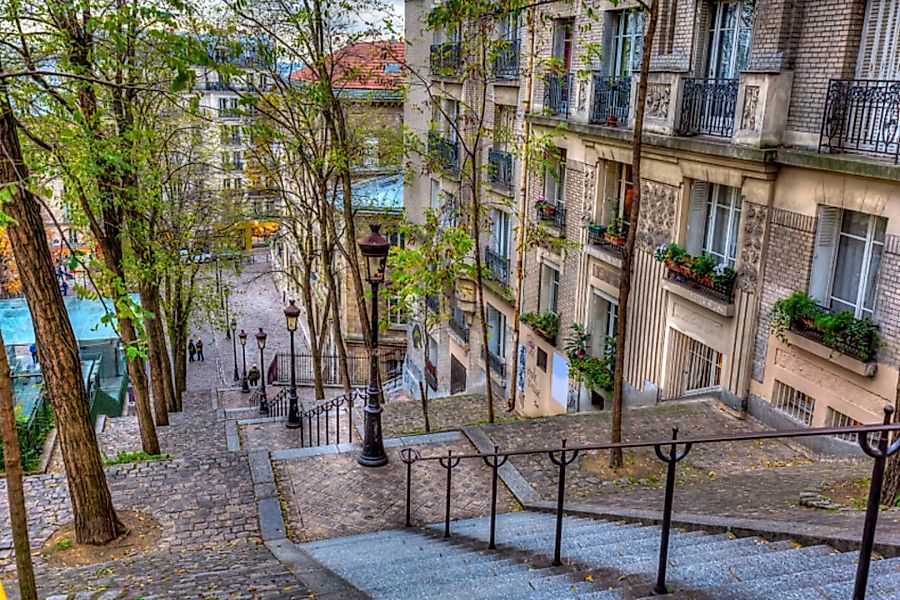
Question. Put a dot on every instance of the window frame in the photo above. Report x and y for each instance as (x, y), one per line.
(733, 223)
(623, 31)
(715, 33)
(553, 290)
(501, 232)
(869, 241)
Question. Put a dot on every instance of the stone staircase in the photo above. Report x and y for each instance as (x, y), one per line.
(601, 560)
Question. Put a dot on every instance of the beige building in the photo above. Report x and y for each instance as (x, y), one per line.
(771, 149)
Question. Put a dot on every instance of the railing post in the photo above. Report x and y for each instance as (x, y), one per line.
(880, 454)
(671, 460)
(409, 456)
(318, 426)
(449, 464)
(494, 463)
(561, 462)
(327, 426)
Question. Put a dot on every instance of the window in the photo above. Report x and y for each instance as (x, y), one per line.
(542, 360)
(847, 258)
(834, 418)
(562, 42)
(504, 126)
(396, 314)
(714, 219)
(627, 42)
(793, 403)
(436, 195)
(370, 158)
(500, 233)
(604, 315)
(452, 119)
(496, 332)
(392, 67)
(692, 366)
(228, 106)
(549, 298)
(624, 191)
(879, 54)
(509, 27)
(730, 29)
(555, 177)
(397, 239)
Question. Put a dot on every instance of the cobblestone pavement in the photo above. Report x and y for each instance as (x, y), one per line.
(331, 495)
(760, 480)
(405, 417)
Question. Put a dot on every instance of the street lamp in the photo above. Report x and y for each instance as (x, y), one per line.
(291, 314)
(227, 318)
(234, 347)
(245, 387)
(263, 401)
(374, 249)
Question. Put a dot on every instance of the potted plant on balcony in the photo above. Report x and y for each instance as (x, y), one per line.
(544, 208)
(612, 121)
(546, 324)
(704, 270)
(615, 232)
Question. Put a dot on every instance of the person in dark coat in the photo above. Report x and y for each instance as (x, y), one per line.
(253, 375)
(200, 350)
(192, 350)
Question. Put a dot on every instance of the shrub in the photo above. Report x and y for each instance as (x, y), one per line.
(547, 323)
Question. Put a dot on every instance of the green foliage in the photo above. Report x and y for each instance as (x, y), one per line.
(701, 267)
(547, 323)
(596, 373)
(616, 228)
(63, 545)
(32, 430)
(133, 457)
(840, 331)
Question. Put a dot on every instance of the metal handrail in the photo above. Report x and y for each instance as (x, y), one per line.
(563, 455)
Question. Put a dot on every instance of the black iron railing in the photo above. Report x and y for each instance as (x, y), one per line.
(552, 214)
(707, 285)
(444, 152)
(446, 59)
(668, 452)
(500, 168)
(321, 424)
(496, 364)
(707, 107)
(390, 362)
(498, 265)
(557, 91)
(613, 241)
(862, 115)
(612, 97)
(431, 374)
(506, 61)
(459, 325)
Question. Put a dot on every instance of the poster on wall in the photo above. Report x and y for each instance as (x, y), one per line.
(520, 372)
(559, 388)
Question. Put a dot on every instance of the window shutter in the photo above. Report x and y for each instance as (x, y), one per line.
(696, 219)
(610, 189)
(879, 53)
(823, 258)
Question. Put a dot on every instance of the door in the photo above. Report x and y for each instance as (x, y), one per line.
(457, 376)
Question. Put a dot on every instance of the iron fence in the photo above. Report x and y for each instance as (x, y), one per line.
(707, 107)
(557, 91)
(500, 168)
(321, 424)
(497, 265)
(446, 58)
(862, 115)
(669, 453)
(390, 364)
(612, 98)
(553, 214)
(443, 151)
(506, 61)
(459, 326)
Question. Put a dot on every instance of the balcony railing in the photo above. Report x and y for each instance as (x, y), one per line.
(496, 363)
(707, 107)
(445, 152)
(557, 91)
(498, 265)
(552, 214)
(500, 168)
(612, 240)
(431, 374)
(446, 58)
(506, 62)
(862, 115)
(612, 97)
(459, 326)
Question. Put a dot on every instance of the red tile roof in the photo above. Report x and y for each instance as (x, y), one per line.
(364, 65)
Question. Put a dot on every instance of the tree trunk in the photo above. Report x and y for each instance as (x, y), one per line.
(160, 375)
(615, 455)
(95, 518)
(138, 376)
(423, 393)
(15, 489)
(479, 280)
(315, 348)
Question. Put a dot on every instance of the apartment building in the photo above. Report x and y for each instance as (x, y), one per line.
(771, 150)
(444, 109)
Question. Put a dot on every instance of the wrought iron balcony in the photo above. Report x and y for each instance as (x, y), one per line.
(446, 59)
(496, 363)
(506, 62)
(500, 168)
(444, 151)
(557, 91)
(863, 116)
(707, 107)
(552, 214)
(608, 237)
(498, 265)
(459, 325)
(612, 97)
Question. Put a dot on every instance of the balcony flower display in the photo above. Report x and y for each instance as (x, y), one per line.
(544, 207)
(546, 324)
(703, 270)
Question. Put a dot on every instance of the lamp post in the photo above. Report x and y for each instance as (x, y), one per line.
(245, 387)
(234, 347)
(227, 318)
(291, 314)
(263, 401)
(374, 249)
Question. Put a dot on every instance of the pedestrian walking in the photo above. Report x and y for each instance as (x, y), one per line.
(253, 375)
(200, 350)
(192, 350)
(65, 288)
(33, 350)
